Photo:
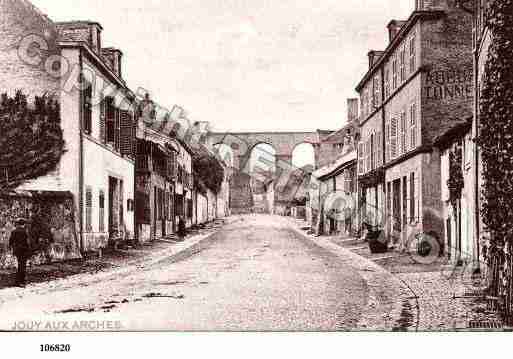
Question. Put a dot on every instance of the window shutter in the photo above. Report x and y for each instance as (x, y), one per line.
(360, 158)
(393, 138)
(379, 153)
(87, 95)
(117, 121)
(413, 126)
(89, 210)
(103, 138)
(126, 132)
(387, 140)
(101, 219)
(403, 133)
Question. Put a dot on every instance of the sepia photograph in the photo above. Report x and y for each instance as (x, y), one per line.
(255, 166)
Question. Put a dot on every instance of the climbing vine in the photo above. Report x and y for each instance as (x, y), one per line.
(496, 143)
(456, 181)
(31, 139)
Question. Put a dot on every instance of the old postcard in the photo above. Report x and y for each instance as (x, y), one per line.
(256, 166)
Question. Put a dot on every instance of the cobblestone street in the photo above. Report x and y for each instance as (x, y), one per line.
(256, 273)
(439, 290)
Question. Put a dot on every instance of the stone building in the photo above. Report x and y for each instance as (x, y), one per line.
(414, 90)
(332, 187)
(98, 126)
(156, 174)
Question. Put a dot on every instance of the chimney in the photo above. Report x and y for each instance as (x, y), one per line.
(352, 110)
(81, 31)
(394, 27)
(113, 58)
(374, 56)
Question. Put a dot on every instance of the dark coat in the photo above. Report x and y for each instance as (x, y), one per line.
(19, 242)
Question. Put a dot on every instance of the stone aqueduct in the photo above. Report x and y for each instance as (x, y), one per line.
(284, 143)
(243, 143)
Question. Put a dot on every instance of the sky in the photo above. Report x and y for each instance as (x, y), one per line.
(244, 65)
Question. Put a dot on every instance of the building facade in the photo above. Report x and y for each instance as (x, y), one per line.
(413, 91)
(331, 202)
(98, 126)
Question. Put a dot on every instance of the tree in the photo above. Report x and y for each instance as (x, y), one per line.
(496, 144)
(31, 139)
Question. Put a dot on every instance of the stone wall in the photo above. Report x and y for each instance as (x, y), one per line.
(241, 197)
(56, 238)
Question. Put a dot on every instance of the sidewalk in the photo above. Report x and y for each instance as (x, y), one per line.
(114, 262)
(444, 301)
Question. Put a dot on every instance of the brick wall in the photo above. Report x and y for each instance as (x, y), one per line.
(56, 214)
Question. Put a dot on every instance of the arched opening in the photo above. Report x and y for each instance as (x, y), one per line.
(303, 157)
(226, 153)
(263, 159)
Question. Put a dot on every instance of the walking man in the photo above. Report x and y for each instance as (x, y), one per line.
(19, 242)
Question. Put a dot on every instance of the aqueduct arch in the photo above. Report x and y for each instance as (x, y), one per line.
(284, 143)
(242, 143)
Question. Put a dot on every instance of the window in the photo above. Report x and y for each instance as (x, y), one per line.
(361, 169)
(403, 64)
(412, 196)
(372, 152)
(379, 152)
(393, 138)
(413, 53)
(87, 96)
(403, 133)
(101, 205)
(387, 83)
(394, 73)
(413, 126)
(110, 119)
(387, 140)
(376, 101)
(368, 156)
(89, 209)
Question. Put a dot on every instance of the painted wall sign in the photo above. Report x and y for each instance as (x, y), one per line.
(449, 85)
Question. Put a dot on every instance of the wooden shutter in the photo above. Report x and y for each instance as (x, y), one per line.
(87, 95)
(404, 144)
(379, 153)
(89, 209)
(126, 133)
(393, 138)
(413, 127)
(103, 137)
(117, 121)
